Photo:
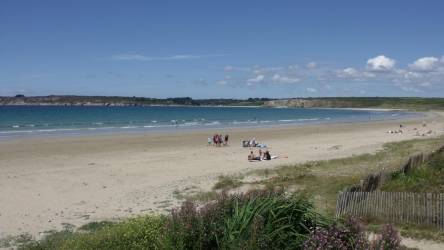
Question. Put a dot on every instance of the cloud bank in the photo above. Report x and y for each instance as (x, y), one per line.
(418, 76)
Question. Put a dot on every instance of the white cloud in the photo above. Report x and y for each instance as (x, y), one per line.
(411, 75)
(258, 78)
(284, 79)
(228, 68)
(379, 71)
(348, 73)
(296, 67)
(425, 64)
(138, 57)
(380, 63)
(311, 90)
(354, 74)
(311, 65)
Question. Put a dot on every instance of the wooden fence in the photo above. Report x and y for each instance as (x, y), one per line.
(416, 208)
(373, 181)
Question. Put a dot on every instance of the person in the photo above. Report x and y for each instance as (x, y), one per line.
(226, 139)
(267, 155)
(209, 141)
(252, 157)
(221, 140)
(214, 140)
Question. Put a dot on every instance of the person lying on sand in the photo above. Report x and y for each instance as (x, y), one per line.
(267, 156)
(252, 157)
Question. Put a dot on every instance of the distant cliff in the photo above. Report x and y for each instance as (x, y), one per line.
(321, 102)
(360, 102)
(71, 100)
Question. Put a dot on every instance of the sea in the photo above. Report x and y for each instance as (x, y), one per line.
(77, 120)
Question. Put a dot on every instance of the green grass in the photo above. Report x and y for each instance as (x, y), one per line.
(227, 182)
(261, 219)
(136, 233)
(427, 179)
(203, 197)
(324, 179)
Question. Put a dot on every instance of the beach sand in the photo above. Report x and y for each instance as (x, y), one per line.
(48, 181)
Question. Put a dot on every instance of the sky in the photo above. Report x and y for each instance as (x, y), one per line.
(222, 49)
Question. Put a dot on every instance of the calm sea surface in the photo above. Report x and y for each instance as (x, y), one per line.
(42, 120)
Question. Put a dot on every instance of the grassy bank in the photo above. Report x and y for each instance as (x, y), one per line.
(255, 220)
(427, 179)
(322, 180)
(260, 219)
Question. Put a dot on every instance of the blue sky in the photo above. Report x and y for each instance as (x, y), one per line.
(228, 49)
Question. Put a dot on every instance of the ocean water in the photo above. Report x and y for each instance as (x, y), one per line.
(46, 120)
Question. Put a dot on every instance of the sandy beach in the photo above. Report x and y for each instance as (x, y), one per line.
(49, 181)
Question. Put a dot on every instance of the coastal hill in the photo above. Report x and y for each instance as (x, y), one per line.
(319, 102)
(72, 100)
(360, 102)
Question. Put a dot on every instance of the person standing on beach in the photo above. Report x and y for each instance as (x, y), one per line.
(215, 140)
(226, 139)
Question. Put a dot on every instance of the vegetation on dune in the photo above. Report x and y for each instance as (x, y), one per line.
(227, 182)
(136, 233)
(324, 179)
(255, 220)
(426, 179)
(264, 219)
(260, 219)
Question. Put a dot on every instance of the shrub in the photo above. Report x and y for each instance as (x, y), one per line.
(388, 239)
(350, 235)
(137, 233)
(256, 220)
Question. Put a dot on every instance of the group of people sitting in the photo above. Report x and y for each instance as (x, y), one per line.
(252, 143)
(218, 140)
(263, 156)
(399, 131)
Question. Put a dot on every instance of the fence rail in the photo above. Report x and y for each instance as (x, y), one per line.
(416, 208)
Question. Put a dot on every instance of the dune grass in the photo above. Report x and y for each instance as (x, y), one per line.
(262, 219)
(427, 179)
(227, 182)
(136, 233)
(322, 180)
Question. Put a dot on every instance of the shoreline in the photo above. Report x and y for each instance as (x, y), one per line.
(81, 179)
(211, 126)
